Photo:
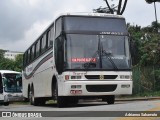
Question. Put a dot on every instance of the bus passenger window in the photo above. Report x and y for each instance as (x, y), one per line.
(48, 38)
(43, 43)
(37, 48)
(52, 33)
(33, 52)
(58, 27)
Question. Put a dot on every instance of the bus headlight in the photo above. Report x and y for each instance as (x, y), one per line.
(76, 77)
(125, 86)
(73, 77)
(125, 77)
(76, 86)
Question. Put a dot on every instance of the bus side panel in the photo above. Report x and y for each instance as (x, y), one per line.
(39, 75)
(42, 82)
(43, 77)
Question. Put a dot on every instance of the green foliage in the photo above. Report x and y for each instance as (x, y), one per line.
(9, 64)
(146, 59)
(1, 54)
(146, 44)
(19, 62)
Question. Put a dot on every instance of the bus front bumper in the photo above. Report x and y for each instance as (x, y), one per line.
(14, 97)
(95, 88)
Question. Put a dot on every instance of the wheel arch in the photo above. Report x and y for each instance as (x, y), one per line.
(53, 85)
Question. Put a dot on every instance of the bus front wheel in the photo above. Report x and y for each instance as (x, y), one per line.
(110, 99)
(61, 100)
(6, 103)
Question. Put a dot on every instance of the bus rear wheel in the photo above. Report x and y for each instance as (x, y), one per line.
(110, 99)
(33, 100)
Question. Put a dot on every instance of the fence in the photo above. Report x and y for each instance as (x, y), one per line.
(146, 79)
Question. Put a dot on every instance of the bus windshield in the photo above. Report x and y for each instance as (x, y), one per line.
(94, 24)
(12, 82)
(103, 51)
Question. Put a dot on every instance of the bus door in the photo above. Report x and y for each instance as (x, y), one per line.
(1, 88)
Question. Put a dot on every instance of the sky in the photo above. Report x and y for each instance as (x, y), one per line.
(22, 21)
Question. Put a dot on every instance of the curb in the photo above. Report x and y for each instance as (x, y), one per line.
(137, 99)
(123, 99)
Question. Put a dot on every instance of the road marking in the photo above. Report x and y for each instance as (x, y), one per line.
(157, 108)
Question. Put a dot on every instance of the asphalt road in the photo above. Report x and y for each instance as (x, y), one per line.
(87, 111)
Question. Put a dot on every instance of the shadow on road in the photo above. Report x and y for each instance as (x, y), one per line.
(82, 104)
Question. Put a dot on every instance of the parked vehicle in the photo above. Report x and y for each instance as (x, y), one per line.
(10, 86)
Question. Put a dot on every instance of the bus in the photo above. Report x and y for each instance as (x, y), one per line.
(79, 56)
(10, 86)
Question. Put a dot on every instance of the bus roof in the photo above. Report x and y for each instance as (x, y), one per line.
(90, 14)
(8, 71)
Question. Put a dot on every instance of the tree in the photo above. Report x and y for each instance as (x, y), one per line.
(112, 8)
(18, 63)
(9, 64)
(1, 54)
(146, 45)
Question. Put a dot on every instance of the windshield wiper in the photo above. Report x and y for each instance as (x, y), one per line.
(108, 55)
(100, 53)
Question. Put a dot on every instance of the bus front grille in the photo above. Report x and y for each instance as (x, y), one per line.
(99, 76)
(101, 88)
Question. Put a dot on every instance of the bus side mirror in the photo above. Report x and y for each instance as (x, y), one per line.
(59, 55)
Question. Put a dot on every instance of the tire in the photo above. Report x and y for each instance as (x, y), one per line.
(6, 103)
(41, 101)
(33, 100)
(61, 100)
(73, 100)
(110, 99)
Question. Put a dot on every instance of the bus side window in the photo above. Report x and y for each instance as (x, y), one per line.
(58, 27)
(38, 48)
(48, 37)
(52, 34)
(29, 55)
(43, 40)
(1, 84)
(32, 53)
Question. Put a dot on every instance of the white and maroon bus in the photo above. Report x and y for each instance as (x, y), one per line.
(79, 56)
